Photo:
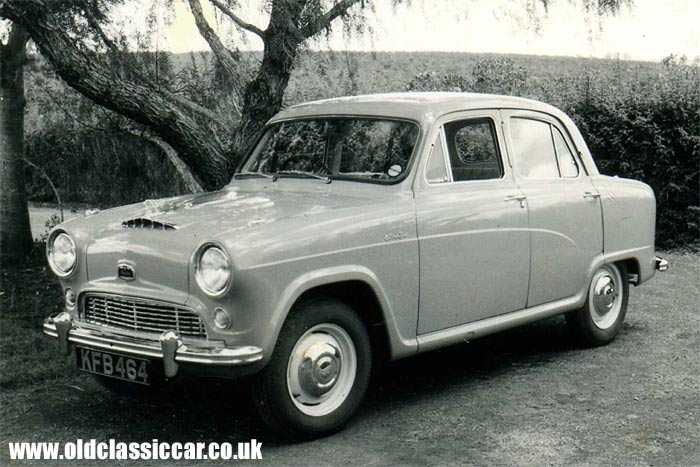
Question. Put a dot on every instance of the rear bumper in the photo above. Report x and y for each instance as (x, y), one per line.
(661, 264)
(169, 347)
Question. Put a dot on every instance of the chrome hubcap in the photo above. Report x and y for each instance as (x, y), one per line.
(604, 296)
(321, 369)
(320, 366)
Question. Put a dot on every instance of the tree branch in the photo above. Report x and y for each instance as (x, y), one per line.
(221, 52)
(190, 181)
(193, 106)
(90, 75)
(324, 21)
(236, 19)
(95, 25)
(185, 173)
(198, 109)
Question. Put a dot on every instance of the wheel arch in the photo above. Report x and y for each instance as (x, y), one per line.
(632, 269)
(360, 296)
(359, 288)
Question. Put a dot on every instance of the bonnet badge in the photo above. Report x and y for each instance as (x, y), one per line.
(126, 272)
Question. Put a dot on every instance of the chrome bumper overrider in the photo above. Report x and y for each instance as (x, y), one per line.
(661, 264)
(169, 347)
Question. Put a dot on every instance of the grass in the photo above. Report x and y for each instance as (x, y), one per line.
(28, 294)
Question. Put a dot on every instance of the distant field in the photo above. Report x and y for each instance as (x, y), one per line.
(326, 74)
(391, 71)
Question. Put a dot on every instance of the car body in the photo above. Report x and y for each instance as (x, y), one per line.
(490, 214)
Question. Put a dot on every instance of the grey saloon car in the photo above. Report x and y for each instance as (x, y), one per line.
(357, 229)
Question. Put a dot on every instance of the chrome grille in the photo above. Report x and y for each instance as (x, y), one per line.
(141, 315)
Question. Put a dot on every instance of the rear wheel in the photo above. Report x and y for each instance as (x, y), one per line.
(601, 318)
(318, 372)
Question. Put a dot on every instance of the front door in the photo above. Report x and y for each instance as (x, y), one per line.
(563, 205)
(472, 225)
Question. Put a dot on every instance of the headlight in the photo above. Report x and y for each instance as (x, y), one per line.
(213, 270)
(62, 254)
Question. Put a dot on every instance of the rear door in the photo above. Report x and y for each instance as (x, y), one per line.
(564, 209)
(472, 225)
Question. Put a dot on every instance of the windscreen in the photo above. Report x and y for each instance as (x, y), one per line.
(345, 148)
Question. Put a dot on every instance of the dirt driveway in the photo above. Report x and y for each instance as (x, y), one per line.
(526, 397)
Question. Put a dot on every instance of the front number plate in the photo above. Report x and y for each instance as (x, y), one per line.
(134, 370)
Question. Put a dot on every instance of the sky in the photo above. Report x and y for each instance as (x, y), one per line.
(648, 30)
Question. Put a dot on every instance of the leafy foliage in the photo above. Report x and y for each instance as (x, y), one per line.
(434, 81)
(651, 132)
(94, 156)
(499, 75)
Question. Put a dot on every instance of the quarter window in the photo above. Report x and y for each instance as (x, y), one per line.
(567, 162)
(534, 149)
(436, 172)
(473, 150)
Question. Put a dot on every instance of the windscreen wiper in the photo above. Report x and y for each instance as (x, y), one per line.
(304, 174)
(253, 174)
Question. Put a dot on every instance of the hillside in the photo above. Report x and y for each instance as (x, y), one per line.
(330, 74)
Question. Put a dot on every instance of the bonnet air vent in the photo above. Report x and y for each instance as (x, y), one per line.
(142, 223)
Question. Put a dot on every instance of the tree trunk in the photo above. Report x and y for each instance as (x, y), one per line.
(263, 96)
(15, 231)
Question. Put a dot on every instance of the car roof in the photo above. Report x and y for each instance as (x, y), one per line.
(426, 107)
(420, 106)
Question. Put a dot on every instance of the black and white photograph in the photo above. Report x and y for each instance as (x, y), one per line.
(350, 232)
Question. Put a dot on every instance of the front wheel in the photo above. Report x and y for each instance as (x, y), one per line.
(318, 372)
(601, 318)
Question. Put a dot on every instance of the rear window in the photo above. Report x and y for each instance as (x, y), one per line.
(534, 149)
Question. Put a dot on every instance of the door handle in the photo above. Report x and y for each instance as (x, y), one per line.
(590, 194)
(519, 198)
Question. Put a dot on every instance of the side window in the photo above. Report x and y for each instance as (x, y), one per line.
(533, 148)
(473, 150)
(436, 171)
(567, 162)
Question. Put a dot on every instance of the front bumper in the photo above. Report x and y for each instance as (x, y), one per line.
(169, 347)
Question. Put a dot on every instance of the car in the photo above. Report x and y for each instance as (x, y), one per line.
(357, 230)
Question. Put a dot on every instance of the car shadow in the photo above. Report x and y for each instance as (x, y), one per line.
(209, 410)
(530, 345)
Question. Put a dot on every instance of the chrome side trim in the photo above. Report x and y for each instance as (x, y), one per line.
(469, 331)
(661, 264)
(169, 347)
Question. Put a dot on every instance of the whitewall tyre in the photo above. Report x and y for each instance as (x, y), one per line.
(602, 316)
(318, 372)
